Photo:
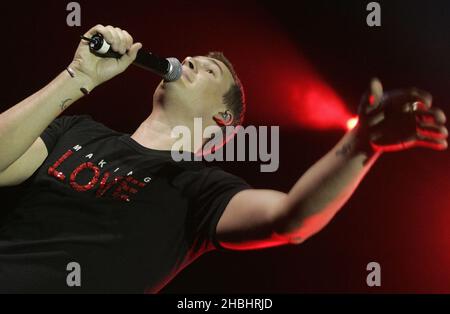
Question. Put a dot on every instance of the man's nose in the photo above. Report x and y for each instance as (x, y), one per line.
(190, 62)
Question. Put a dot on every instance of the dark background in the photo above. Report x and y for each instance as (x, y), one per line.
(399, 216)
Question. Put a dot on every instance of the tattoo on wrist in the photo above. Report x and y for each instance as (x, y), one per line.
(345, 150)
(349, 148)
(63, 104)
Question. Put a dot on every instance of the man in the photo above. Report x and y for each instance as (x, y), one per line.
(112, 212)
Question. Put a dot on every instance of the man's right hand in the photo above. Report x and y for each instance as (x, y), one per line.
(401, 119)
(95, 70)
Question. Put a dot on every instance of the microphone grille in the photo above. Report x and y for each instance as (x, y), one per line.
(174, 71)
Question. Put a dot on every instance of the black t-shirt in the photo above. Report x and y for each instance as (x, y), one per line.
(130, 216)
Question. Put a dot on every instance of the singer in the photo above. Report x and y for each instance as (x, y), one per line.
(132, 218)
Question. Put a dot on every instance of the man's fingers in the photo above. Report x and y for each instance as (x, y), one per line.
(112, 37)
(130, 56)
(428, 142)
(425, 96)
(94, 30)
(376, 92)
(415, 94)
(128, 40)
(122, 41)
(433, 115)
(371, 99)
(440, 115)
(107, 34)
(408, 96)
(432, 131)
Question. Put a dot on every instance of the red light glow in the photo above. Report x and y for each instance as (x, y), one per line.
(351, 123)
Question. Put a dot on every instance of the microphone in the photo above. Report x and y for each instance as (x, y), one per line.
(169, 68)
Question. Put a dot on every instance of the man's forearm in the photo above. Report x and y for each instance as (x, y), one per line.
(22, 124)
(325, 187)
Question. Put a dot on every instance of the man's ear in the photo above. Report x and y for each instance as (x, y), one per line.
(224, 118)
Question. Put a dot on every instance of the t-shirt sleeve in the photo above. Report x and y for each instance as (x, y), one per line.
(216, 189)
(58, 127)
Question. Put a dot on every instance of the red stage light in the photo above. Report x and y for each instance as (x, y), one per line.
(282, 87)
(351, 123)
(316, 106)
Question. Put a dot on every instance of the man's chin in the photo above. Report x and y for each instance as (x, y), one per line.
(170, 89)
(170, 83)
(175, 85)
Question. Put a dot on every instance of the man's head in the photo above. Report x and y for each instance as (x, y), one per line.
(208, 88)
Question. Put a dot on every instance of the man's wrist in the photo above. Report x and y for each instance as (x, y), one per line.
(359, 141)
(362, 142)
(86, 83)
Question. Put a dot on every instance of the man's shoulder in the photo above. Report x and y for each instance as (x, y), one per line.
(86, 121)
(191, 172)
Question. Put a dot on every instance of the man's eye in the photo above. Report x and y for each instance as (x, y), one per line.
(210, 71)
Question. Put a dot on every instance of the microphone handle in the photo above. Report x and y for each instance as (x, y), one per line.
(101, 48)
(152, 62)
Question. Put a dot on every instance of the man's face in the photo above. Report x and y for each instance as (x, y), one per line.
(199, 92)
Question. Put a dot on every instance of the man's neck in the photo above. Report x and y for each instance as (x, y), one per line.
(155, 132)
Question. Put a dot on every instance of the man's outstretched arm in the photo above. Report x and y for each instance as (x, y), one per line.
(265, 218)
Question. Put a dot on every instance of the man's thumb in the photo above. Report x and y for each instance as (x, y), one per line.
(376, 92)
(371, 98)
(131, 54)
